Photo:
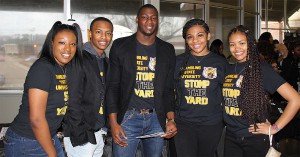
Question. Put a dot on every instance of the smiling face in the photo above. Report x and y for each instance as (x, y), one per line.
(238, 46)
(64, 47)
(197, 39)
(101, 35)
(147, 22)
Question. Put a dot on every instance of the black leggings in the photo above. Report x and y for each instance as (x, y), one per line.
(197, 141)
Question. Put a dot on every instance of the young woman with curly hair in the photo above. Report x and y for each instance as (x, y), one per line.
(247, 85)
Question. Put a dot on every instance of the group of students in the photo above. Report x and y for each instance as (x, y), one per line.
(143, 88)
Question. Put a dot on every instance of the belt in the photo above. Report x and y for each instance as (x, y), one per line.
(142, 111)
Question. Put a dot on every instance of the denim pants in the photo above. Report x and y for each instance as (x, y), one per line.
(19, 146)
(88, 149)
(135, 124)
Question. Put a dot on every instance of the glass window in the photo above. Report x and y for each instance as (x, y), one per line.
(229, 2)
(250, 5)
(220, 23)
(122, 13)
(22, 34)
(173, 16)
(249, 21)
(27, 23)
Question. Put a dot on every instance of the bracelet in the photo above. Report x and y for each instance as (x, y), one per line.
(171, 120)
(274, 126)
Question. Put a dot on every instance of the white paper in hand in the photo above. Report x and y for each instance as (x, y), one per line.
(158, 134)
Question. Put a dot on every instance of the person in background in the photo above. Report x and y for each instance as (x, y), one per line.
(266, 36)
(217, 47)
(266, 51)
(288, 65)
(45, 97)
(140, 96)
(275, 41)
(199, 75)
(84, 124)
(246, 108)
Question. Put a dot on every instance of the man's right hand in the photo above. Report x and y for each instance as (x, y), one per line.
(116, 131)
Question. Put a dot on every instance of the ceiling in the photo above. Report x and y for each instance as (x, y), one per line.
(275, 7)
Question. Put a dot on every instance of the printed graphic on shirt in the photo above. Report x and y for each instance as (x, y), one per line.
(209, 72)
(231, 92)
(144, 77)
(196, 85)
(62, 86)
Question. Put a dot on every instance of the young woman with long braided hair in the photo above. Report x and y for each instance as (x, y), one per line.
(199, 76)
(247, 85)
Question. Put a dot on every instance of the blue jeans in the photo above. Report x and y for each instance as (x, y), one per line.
(135, 124)
(19, 146)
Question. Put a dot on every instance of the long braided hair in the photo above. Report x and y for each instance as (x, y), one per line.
(187, 53)
(254, 102)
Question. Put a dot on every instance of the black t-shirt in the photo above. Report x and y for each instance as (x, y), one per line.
(231, 92)
(143, 97)
(50, 78)
(200, 88)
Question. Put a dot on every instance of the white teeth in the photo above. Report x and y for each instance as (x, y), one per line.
(196, 46)
(66, 55)
(102, 43)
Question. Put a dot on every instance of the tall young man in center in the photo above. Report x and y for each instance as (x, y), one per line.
(84, 125)
(140, 96)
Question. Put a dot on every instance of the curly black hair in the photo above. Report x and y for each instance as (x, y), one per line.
(254, 101)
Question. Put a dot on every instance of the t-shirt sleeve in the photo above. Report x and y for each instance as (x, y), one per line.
(39, 76)
(272, 80)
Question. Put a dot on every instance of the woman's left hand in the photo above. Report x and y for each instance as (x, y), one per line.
(262, 128)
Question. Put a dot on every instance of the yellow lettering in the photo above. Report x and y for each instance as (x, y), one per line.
(139, 62)
(61, 111)
(66, 96)
(142, 76)
(60, 77)
(227, 84)
(233, 111)
(231, 93)
(144, 93)
(196, 100)
(101, 110)
(196, 83)
(61, 87)
(62, 81)
(140, 68)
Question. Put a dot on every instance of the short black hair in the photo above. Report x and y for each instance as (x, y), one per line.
(100, 19)
(146, 6)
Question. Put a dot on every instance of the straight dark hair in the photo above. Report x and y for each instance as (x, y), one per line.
(47, 49)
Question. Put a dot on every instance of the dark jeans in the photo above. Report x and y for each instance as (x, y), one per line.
(252, 146)
(197, 141)
(19, 146)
